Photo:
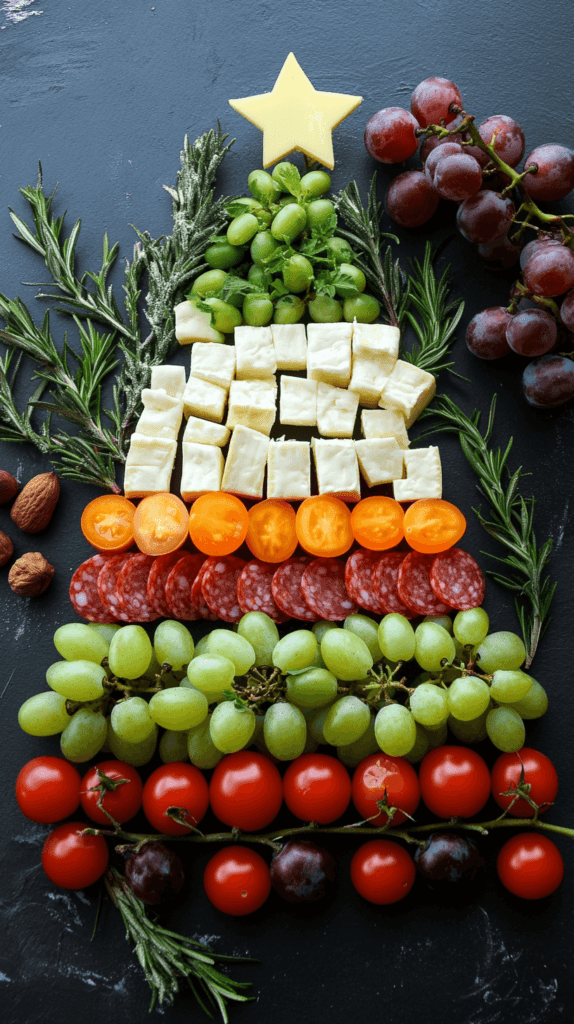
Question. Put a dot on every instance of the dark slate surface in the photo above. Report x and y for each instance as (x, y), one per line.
(103, 95)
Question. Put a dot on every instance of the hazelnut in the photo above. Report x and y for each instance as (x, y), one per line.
(6, 548)
(8, 487)
(30, 575)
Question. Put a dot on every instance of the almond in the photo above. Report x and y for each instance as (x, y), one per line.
(8, 487)
(36, 502)
(30, 575)
(6, 548)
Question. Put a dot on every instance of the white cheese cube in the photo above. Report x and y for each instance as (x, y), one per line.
(336, 411)
(369, 376)
(252, 403)
(201, 470)
(377, 340)
(380, 460)
(337, 468)
(289, 470)
(408, 390)
(192, 324)
(139, 481)
(205, 432)
(424, 475)
(245, 464)
(298, 401)
(329, 353)
(385, 423)
(201, 398)
(151, 451)
(162, 414)
(290, 341)
(254, 353)
(215, 363)
(170, 378)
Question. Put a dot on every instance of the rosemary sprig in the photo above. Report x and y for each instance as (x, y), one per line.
(437, 319)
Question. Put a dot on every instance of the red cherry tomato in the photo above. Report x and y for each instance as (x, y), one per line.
(382, 871)
(379, 774)
(175, 785)
(122, 803)
(317, 788)
(48, 789)
(72, 861)
(455, 781)
(539, 773)
(245, 790)
(237, 881)
(530, 865)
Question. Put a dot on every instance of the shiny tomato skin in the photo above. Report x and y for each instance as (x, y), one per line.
(72, 861)
(539, 772)
(48, 789)
(380, 773)
(175, 785)
(323, 526)
(530, 865)
(382, 871)
(246, 790)
(317, 788)
(454, 781)
(122, 803)
(237, 880)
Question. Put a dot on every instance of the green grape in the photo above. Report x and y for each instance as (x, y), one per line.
(315, 183)
(173, 644)
(356, 276)
(242, 229)
(352, 754)
(325, 310)
(84, 736)
(508, 687)
(440, 620)
(500, 650)
(363, 308)
(236, 648)
(262, 634)
(429, 705)
(421, 745)
(76, 641)
(263, 245)
(263, 187)
(436, 737)
(321, 627)
(346, 655)
(211, 673)
(311, 688)
(225, 317)
(105, 630)
(201, 646)
(200, 747)
(180, 709)
(130, 652)
(395, 729)
(471, 627)
(231, 728)
(310, 744)
(505, 729)
(287, 201)
(296, 650)
(288, 309)
(257, 310)
(223, 256)
(136, 754)
(173, 746)
(316, 721)
(131, 719)
(258, 738)
(470, 732)
(153, 669)
(368, 630)
(534, 705)
(319, 214)
(396, 637)
(340, 249)
(284, 173)
(346, 721)
(468, 698)
(285, 731)
(209, 283)
(288, 223)
(297, 273)
(77, 680)
(433, 646)
(258, 277)
(44, 714)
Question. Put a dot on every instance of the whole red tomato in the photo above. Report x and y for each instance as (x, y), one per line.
(530, 865)
(539, 773)
(175, 785)
(122, 803)
(245, 790)
(48, 789)
(317, 788)
(382, 871)
(378, 774)
(72, 861)
(455, 782)
(237, 880)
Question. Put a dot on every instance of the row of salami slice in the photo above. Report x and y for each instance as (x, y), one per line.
(140, 588)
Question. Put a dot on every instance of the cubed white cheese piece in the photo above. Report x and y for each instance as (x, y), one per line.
(215, 363)
(336, 411)
(206, 432)
(201, 398)
(289, 470)
(329, 353)
(151, 451)
(380, 460)
(139, 481)
(244, 472)
(201, 469)
(408, 390)
(423, 475)
(252, 403)
(170, 378)
(192, 324)
(298, 401)
(162, 414)
(369, 376)
(337, 468)
(254, 353)
(385, 423)
(290, 341)
(377, 340)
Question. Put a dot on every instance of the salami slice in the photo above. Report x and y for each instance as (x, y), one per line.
(323, 586)
(157, 579)
(254, 590)
(359, 579)
(197, 598)
(286, 589)
(219, 586)
(108, 586)
(84, 594)
(132, 589)
(414, 588)
(178, 587)
(384, 583)
(457, 579)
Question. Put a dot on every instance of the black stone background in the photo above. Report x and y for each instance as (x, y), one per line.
(103, 95)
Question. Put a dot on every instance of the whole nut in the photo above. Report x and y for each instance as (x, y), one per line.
(36, 502)
(6, 548)
(8, 487)
(30, 575)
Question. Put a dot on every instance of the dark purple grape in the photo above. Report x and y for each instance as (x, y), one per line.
(509, 141)
(567, 310)
(554, 178)
(411, 199)
(500, 253)
(485, 216)
(548, 381)
(302, 872)
(447, 858)
(154, 873)
(390, 135)
(486, 333)
(433, 140)
(431, 101)
(532, 333)
(550, 271)
(437, 154)
(535, 246)
(457, 177)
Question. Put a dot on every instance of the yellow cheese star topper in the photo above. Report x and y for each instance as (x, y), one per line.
(294, 115)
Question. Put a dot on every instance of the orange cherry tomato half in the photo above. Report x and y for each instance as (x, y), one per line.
(160, 524)
(377, 523)
(323, 526)
(271, 535)
(218, 523)
(433, 525)
(108, 523)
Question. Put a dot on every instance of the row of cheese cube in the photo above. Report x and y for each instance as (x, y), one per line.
(153, 445)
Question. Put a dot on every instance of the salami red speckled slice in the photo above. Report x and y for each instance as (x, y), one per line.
(287, 592)
(198, 600)
(323, 586)
(108, 586)
(384, 583)
(254, 590)
(157, 580)
(219, 586)
(178, 587)
(359, 579)
(132, 589)
(457, 579)
(414, 588)
(84, 594)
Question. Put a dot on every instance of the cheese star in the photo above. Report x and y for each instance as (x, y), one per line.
(295, 115)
